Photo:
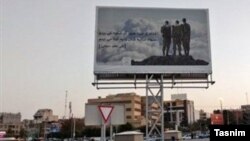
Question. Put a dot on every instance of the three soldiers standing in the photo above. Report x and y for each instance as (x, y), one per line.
(180, 34)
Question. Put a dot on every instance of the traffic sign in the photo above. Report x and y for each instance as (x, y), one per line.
(106, 112)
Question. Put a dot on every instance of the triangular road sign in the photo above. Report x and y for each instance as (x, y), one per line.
(106, 112)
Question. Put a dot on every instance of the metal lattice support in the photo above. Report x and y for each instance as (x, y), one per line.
(154, 128)
(154, 85)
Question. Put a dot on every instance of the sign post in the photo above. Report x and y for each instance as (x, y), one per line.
(105, 112)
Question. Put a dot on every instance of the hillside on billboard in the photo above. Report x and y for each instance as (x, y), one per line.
(152, 40)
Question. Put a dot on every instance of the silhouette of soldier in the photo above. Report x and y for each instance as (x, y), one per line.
(186, 32)
(166, 34)
(177, 35)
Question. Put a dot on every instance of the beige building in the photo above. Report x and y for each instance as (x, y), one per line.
(203, 115)
(45, 115)
(153, 107)
(132, 103)
(11, 122)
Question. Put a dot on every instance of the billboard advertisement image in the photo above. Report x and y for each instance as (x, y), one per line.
(152, 40)
(217, 119)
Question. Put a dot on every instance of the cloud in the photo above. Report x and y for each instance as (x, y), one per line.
(138, 34)
(199, 41)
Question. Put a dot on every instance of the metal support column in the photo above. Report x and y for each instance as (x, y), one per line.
(154, 118)
(154, 85)
(147, 120)
(162, 108)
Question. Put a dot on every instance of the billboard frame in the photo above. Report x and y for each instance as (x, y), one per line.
(140, 83)
(169, 74)
(151, 81)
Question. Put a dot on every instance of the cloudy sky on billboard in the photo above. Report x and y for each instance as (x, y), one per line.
(148, 22)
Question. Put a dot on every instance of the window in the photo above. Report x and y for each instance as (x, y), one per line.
(128, 109)
(138, 110)
(138, 102)
(128, 117)
(174, 104)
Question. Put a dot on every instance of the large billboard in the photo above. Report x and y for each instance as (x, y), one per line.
(132, 40)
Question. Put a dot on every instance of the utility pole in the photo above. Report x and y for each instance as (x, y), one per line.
(73, 122)
(65, 105)
(74, 128)
(70, 110)
(221, 106)
(227, 117)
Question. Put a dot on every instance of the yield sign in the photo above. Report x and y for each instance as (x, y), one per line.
(105, 112)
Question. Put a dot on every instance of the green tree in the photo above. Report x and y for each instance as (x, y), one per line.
(23, 133)
(125, 127)
(92, 132)
(67, 128)
(9, 133)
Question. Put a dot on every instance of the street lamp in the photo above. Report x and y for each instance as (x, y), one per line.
(221, 100)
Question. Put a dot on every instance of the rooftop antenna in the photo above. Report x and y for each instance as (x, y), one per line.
(65, 105)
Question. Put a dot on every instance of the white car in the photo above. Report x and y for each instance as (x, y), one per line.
(186, 137)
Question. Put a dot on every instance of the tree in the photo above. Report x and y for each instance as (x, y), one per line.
(23, 133)
(125, 127)
(9, 133)
(92, 132)
(142, 129)
(67, 128)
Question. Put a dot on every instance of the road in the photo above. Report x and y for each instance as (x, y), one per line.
(206, 139)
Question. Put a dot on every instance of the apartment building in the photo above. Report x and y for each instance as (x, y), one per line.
(11, 123)
(45, 115)
(179, 110)
(132, 104)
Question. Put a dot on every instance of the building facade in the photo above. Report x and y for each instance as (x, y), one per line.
(246, 114)
(43, 119)
(132, 104)
(45, 115)
(11, 123)
(203, 115)
(179, 111)
(152, 106)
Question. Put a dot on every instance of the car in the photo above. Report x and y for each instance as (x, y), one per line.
(204, 135)
(150, 139)
(186, 137)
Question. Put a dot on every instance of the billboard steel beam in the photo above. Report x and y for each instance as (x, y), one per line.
(152, 130)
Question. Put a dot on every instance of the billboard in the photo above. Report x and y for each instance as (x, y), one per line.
(217, 119)
(132, 40)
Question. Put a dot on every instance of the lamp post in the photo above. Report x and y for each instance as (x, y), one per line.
(221, 100)
(221, 109)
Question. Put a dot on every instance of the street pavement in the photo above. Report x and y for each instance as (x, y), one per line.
(206, 139)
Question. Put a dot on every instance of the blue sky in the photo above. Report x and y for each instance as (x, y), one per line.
(47, 47)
